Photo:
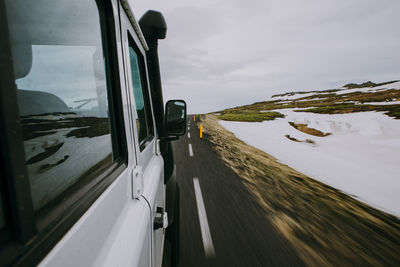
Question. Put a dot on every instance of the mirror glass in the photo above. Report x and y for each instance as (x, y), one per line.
(175, 117)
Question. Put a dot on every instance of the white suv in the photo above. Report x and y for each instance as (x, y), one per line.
(87, 170)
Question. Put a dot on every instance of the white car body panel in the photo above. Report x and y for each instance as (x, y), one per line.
(108, 233)
(117, 230)
(151, 162)
(156, 198)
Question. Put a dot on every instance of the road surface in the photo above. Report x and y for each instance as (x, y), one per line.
(222, 223)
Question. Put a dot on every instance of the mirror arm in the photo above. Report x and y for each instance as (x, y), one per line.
(166, 139)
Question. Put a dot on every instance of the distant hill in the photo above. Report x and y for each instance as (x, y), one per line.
(351, 98)
(367, 84)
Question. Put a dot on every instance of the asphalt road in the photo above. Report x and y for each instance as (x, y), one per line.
(230, 228)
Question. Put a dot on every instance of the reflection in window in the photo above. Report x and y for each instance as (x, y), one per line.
(62, 92)
(144, 119)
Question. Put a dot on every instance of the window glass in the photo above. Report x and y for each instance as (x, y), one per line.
(62, 92)
(144, 120)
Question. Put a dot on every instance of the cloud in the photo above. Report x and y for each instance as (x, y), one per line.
(230, 52)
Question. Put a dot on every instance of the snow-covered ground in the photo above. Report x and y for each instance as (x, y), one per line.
(382, 103)
(395, 85)
(292, 97)
(341, 91)
(361, 157)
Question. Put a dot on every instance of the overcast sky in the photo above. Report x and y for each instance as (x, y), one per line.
(224, 53)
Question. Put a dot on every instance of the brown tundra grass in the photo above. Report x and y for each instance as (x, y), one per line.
(305, 129)
(325, 226)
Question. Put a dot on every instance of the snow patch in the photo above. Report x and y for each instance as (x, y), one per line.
(291, 97)
(361, 157)
(395, 85)
(382, 103)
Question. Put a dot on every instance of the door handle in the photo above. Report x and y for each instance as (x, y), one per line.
(161, 219)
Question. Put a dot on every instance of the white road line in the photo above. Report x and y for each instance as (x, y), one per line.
(190, 150)
(188, 128)
(205, 229)
(188, 135)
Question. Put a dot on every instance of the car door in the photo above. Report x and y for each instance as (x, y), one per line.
(78, 159)
(149, 183)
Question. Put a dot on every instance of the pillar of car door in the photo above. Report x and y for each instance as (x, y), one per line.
(150, 163)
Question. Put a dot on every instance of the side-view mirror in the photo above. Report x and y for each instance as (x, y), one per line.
(175, 117)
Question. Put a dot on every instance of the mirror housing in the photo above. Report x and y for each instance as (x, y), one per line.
(175, 118)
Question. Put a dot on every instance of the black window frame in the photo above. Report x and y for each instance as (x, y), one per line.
(29, 236)
(145, 91)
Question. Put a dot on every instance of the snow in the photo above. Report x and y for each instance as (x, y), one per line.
(363, 90)
(287, 98)
(361, 157)
(395, 85)
(342, 91)
(382, 103)
(55, 117)
(295, 96)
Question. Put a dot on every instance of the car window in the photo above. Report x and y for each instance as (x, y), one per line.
(59, 68)
(144, 122)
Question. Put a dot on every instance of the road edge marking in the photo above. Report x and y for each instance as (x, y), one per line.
(204, 227)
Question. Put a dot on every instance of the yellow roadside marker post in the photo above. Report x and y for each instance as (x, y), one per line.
(194, 118)
(201, 131)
